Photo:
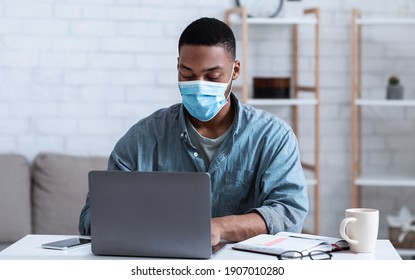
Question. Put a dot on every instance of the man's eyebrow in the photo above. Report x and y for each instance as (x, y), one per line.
(204, 70)
(212, 68)
(181, 65)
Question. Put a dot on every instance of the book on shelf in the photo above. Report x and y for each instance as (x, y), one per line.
(289, 241)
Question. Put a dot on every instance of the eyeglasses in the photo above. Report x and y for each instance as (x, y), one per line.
(297, 255)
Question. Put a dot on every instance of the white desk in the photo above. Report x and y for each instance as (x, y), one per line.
(28, 248)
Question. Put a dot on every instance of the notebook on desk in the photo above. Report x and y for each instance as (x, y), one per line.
(150, 214)
(276, 244)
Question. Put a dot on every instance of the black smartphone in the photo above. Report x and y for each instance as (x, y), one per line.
(67, 244)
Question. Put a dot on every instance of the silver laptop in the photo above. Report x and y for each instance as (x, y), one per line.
(150, 214)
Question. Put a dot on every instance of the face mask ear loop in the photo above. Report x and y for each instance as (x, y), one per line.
(230, 82)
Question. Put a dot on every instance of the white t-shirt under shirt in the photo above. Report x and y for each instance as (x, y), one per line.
(206, 146)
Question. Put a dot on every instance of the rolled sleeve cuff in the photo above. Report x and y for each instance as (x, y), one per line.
(275, 222)
(272, 219)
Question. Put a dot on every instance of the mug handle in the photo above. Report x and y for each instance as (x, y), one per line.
(342, 229)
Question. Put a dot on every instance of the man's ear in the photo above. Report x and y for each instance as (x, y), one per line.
(177, 64)
(236, 69)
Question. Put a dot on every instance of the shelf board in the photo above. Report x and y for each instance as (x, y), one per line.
(386, 181)
(311, 182)
(276, 21)
(385, 21)
(282, 102)
(385, 103)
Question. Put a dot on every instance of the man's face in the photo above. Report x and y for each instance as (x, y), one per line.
(206, 63)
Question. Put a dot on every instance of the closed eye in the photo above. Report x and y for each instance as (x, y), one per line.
(214, 77)
(187, 75)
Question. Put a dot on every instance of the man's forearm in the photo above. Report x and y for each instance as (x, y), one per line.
(238, 227)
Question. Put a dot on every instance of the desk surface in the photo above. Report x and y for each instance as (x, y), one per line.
(29, 248)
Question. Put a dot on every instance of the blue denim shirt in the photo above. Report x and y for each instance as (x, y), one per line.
(256, 169)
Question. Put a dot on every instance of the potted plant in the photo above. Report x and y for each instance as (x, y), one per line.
(394, 90)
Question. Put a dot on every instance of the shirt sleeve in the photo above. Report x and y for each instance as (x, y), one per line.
(84, 226)
(283, 194)
(124, 156)
(121, 158)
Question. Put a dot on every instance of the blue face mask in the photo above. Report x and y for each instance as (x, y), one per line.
(203, 100)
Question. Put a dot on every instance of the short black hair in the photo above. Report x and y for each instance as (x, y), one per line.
(209, 32)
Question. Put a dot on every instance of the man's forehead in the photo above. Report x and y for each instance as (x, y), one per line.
(215, 54)
(204, 68)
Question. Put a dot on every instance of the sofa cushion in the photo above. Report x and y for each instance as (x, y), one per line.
(59, 191)
(15, 208)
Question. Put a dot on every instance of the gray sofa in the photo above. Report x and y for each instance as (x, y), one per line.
(45, 197)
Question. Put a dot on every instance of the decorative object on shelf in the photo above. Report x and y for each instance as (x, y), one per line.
(394, 90)
(272, 87)
(293, 8)
(261, 8)
(402, 229)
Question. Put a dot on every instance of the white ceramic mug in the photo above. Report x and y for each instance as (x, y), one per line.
(360, 229)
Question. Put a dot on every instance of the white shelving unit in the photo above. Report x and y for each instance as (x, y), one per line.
(311, 182)
(359, 178)
(384, 103)
(234, 20)
(238, 17)
(282, 102)
(383, 180)
(384, 21)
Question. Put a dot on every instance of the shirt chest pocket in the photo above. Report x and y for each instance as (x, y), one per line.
(238, 194)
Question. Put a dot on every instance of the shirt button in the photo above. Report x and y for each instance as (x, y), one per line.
(195, 154)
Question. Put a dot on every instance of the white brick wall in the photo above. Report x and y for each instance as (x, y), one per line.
(76, 74)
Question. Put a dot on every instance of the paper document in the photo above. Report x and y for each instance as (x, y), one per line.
(288, 241)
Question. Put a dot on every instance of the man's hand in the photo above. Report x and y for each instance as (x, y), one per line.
(237, 227)
(215, 231)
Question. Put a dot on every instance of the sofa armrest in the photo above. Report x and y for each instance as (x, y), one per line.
(15, 207)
